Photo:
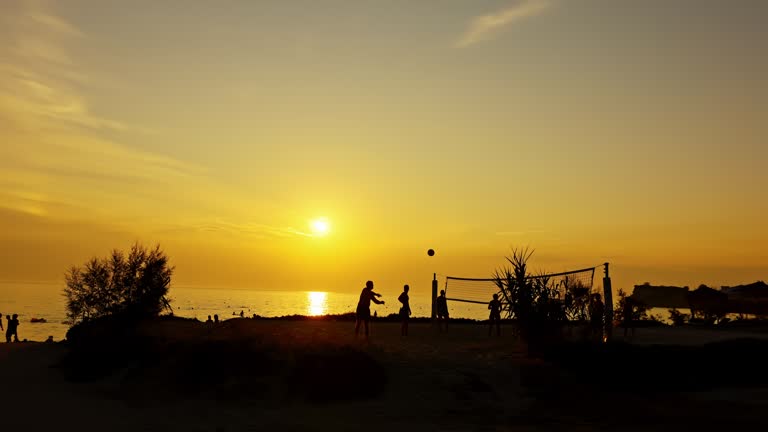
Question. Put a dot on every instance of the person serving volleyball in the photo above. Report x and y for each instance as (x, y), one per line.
(363, 314)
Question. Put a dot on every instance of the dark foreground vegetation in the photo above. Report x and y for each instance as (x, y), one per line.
(656, 369)
(245, 374)
(175, 357)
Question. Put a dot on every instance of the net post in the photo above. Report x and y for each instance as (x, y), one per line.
(434, 296)
(608, 296)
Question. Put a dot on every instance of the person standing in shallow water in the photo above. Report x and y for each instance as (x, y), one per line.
(13, 328)
(405, 310)
(363, 315)
(495, 316)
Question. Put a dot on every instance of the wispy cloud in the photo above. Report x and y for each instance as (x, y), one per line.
(58, 145)
(519, 233)
(485, 27)
(248, 229)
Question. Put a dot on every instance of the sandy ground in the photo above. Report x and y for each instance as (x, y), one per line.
(460, 380)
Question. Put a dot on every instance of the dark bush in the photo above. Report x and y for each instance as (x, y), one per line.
(135, 284)
(678, 318)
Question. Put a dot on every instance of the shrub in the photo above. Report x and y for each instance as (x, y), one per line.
(134, 284)
(708, 305)
(678, 318)
(639, 311)
(532, 301)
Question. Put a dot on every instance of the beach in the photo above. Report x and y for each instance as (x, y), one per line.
(46, 300)
(458, 380)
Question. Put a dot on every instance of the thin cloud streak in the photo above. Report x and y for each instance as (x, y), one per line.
(485, 27)
(255, 230)
(519, 233)
(57, 139)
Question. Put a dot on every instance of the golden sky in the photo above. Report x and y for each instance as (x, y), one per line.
(634, 132)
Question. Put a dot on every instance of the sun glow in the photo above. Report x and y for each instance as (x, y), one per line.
(317, 303)
(320, 227)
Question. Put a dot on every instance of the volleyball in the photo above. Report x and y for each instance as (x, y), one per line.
(431, 252)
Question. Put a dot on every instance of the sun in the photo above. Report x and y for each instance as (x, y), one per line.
(320, 227)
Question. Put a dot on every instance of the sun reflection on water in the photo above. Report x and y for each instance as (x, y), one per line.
(317, 303)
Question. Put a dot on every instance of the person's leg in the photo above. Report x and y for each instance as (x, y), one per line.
(498, 326)
(366, 327)
(357, 326)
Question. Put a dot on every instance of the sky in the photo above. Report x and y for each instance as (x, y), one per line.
(629, 132)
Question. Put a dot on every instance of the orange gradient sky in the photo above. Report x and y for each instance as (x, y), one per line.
(634, 132)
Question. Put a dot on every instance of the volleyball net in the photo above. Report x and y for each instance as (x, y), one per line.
(571, 289)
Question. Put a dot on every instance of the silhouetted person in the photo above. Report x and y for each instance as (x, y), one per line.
(8, 331)
(209, 321)
(627, 312)
(405, 310)
(215, 319)
(363, 314)
(242, 314)
(495, 315)
(597, 310)
(441, 304)
(13, 327)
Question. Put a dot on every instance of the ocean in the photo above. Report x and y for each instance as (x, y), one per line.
(41, 300)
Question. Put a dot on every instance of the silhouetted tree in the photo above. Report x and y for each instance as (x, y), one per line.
(639, 310)
(678, 318)
(707, 304)
(135, 284)
(576, 299)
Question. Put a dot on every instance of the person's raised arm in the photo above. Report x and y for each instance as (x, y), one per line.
(377, 301)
